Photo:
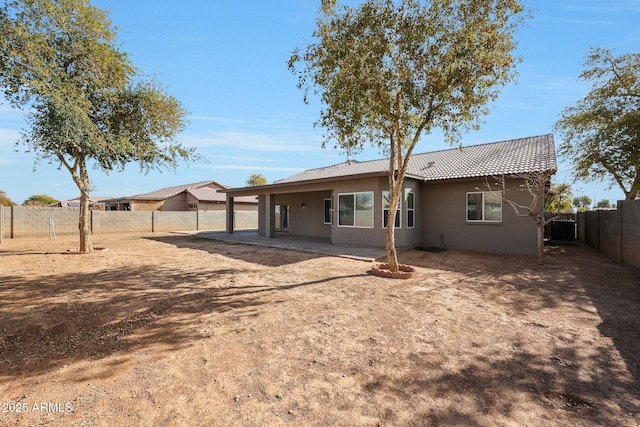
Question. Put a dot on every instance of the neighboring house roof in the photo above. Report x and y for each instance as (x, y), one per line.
(200, 190)
(165, 193)
(515, 156)
(212, 195)
(74, 203)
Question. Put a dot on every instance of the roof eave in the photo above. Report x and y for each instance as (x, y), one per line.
(265, 189)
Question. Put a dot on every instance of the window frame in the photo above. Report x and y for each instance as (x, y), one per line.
(483, 208)
(355, 209)
(329, 211)
(411, 209)
(385, 211)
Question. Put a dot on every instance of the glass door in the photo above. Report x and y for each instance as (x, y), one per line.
(281, 217)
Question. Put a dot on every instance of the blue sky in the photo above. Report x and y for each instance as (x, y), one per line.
(226, 63)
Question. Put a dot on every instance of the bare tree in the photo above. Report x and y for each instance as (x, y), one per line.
(537, 185)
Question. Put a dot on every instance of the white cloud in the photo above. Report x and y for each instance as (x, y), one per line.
(601, 23)
(251, 142)
(607, 7)
(254, 168)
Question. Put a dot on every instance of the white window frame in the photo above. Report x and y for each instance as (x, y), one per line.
(324, 206)
(483, 210)
(354, 194)
(385, 210)
(413, 209)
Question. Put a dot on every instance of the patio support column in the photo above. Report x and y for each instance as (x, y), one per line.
(230, 215)
(269, 214)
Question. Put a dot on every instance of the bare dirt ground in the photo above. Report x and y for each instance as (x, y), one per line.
(169, 330)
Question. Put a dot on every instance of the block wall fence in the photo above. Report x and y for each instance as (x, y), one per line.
(22, 222)
(615, 233)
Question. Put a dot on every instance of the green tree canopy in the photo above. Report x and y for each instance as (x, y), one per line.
(4, 200)
(559, 198)
(603, 204)
(602, 131)
(87, 103)
(388, 71)
(256, 179)
(582, 203)
(40, 200)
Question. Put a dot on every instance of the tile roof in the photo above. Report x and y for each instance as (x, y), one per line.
(512, 157)
(531, 154)
(76, 202)
(165, 193)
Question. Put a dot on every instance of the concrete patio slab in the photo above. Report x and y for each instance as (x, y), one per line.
(297, 243)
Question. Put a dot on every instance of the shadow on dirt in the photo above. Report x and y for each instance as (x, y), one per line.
(575, 280)
(239, 251)
(489, 385)
(53, 320)
(57, 320)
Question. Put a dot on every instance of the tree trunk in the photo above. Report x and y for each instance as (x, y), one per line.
(395, 188)
(634, 191)
(392, 256)
(540, 229)
(84, 225)
(80, 175)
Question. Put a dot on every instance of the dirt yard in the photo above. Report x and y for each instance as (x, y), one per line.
(170, 330)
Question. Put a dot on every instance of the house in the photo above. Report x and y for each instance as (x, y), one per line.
(445, 192)
(204, 196)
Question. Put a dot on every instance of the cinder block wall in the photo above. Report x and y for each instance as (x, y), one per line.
(610, 238)
(114, 222)
(5, 222)
(243, 219)
(592, 234)
(33, 222)
(581, 226)
(174, 220)
(631, 234)
(213, 220)
(29, 222)
(615, 234)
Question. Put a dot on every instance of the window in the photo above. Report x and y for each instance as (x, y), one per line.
(484, 206)
(411, 210)
(386, 202)
(328, 211)
(355, 209)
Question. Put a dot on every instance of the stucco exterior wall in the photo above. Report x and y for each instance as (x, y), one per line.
(212, 206)
(306, 213)
(376, 236)
(176, 203)
(145, 206)
(444, 210)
